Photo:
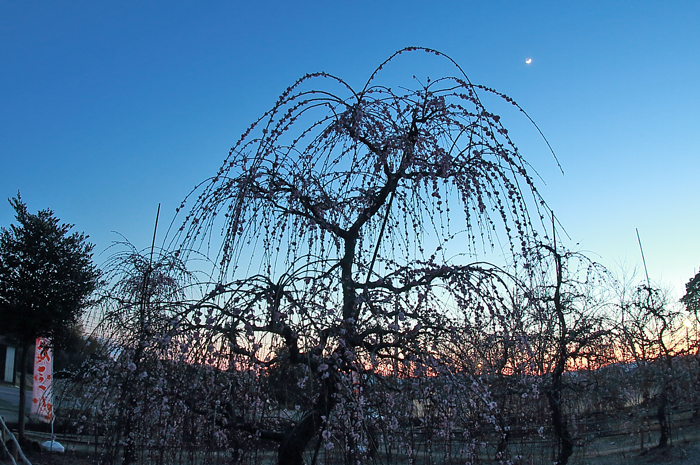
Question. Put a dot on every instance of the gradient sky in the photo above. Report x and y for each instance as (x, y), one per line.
(108, 108)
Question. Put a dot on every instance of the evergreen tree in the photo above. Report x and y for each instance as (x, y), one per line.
(46, 276)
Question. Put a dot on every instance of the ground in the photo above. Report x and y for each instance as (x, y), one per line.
(618, 449)
(679, 454)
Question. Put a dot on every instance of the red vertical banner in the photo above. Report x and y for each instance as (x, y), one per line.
(42, 398)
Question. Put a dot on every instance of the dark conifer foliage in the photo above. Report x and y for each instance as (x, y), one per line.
(46, 277)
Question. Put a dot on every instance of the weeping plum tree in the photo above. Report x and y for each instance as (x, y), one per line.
(121, 390)
(144, 294)
(651, 327)
(568, 330)
(351, 221)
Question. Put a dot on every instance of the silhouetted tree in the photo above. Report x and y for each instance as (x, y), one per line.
(691, 300)
(46, 277)
(650, 325)
(351, 220)
(145, 292)
(568, 331)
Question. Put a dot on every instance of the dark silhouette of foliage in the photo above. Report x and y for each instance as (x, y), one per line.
(46, 277)
(691, 299)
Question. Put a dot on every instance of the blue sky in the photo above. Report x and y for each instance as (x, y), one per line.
(108, 108)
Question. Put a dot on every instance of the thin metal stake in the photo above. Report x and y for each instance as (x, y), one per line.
(643, 261)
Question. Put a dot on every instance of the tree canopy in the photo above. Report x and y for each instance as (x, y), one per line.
(46, 275)
(351, 223)
(691, 299)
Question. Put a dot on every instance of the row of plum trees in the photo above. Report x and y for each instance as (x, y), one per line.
(512, 381)
(348, 318)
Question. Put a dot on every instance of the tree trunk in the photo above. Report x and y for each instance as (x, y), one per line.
(560, 429)
(22, 392)
(661, 417)
(291, 450)
(696, 406)
(128, 419)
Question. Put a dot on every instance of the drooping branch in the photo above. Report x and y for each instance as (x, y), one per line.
(329, 206)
